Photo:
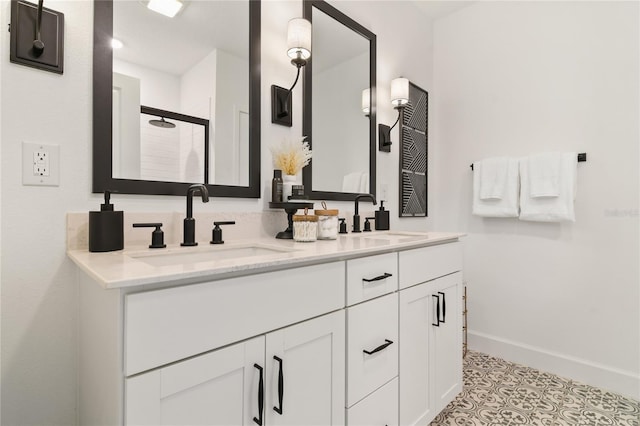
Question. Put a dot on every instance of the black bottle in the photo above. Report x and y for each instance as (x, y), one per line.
(106, 228)
(382, 218)
(276, 187)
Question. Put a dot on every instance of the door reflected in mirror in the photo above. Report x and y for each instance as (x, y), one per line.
(195, 64)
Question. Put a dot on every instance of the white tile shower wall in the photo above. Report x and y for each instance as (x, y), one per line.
(39, 288)
(518, 78)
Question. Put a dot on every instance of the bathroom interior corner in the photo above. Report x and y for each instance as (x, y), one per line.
(504, 78)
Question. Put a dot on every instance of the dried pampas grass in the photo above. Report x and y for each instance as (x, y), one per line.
(291, 155)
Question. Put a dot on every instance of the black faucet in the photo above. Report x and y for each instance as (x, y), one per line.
(189, 222)
(356, 216)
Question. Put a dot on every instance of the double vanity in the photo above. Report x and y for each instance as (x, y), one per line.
(363, 330)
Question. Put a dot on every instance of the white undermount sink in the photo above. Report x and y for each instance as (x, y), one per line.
(399, 237)
(189, 255)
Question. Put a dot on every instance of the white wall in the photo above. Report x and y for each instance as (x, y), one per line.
(518, 78)
(39, 288)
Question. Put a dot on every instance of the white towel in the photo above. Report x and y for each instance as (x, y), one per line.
(550, 209)
(507, 205)
(493, 177)
(351, 182)
(544, 174)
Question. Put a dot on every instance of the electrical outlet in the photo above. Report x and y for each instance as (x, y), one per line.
(40, 164)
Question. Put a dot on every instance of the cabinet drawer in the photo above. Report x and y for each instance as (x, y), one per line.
(379, 408)
(164, 326)
(428, 263)
(370, 327)
(371, 277)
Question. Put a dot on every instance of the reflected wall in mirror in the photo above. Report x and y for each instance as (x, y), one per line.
(202, 64)
(341, 134)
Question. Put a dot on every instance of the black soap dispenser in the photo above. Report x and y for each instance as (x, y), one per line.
(106, 228)
(382, 218)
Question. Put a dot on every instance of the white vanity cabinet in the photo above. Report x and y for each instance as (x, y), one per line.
(430, 327)
(291, 376)
(357, 338)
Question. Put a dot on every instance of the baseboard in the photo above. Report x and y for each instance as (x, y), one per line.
(615, 380)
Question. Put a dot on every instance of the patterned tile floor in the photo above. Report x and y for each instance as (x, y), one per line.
(497, 392)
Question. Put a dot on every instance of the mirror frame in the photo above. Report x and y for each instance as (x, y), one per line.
(307, 178)
(102, 115)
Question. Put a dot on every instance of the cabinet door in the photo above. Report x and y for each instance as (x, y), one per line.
(218, 388)
(447, 341)
(416, 319)
(306, 373)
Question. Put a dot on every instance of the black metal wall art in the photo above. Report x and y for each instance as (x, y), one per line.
(413, 155)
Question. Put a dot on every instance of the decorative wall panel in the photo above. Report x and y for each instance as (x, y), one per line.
(413, 154)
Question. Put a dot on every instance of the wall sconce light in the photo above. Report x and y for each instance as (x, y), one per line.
(37, 36)
(399, 99)
(299, 50)
(366, 102)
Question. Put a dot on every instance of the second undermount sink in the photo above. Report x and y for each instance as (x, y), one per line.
(398, 237)
(182, 256)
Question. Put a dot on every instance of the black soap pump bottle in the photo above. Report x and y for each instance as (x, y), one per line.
(106, 227)
(276, 187)
(382, 218)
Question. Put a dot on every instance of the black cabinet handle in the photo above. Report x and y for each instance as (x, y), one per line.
(258, 420)
(378, 278)
(437, 324)
(280, 387)
(379, 348)
(444, 306)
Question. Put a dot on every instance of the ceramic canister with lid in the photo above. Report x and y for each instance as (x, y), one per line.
(327, 223)
(305, 227)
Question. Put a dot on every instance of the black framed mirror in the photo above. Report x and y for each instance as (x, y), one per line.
(230, 164)
(338, 81)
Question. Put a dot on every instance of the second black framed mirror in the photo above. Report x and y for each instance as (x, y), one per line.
(338, 81)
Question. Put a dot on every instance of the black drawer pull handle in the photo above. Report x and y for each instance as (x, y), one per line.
(444, 306)
(378, 278)
(437, 324)
(280, 386)
(258, 420)
(379, 348)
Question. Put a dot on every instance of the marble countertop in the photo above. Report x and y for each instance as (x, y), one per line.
(137, 266)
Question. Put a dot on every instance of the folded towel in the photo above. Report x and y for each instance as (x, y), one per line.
(493, 177)
(351, 182)
(507, 205)
(550, 209)
(544, 174)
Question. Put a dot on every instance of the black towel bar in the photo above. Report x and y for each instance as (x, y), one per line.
(582, 157)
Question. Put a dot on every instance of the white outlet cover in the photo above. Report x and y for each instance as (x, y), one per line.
(51, 177)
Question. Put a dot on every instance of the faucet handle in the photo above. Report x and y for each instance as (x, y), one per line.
(343, 225)
(216, 234)
(367, 224)
(157, 236)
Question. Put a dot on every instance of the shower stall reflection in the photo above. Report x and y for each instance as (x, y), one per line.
(168, 147)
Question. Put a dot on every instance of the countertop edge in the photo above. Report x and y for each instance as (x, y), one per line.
(95, 264)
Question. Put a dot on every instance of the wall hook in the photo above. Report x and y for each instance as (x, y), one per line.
(32, 28)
